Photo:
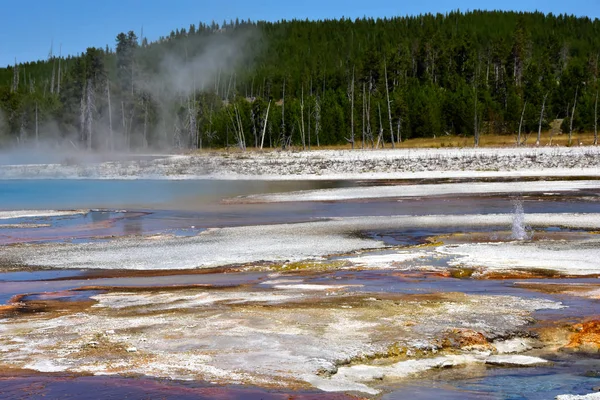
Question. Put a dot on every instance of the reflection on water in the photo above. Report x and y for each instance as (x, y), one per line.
(155, 194)
(102, 387)
(568, 375)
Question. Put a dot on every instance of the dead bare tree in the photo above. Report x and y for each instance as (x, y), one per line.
(399, 133)
(89, 113)
(317, 118)
(573, 116)
(539, 135)
(145, 124)
(192, 122)
(596, 121)
(255, 119)
(53, 74)
(387, 93)
(363, 117)
(264, 129)
(475, 122)
(59, 71)
(308, 113)
(351, 98)
(238, 127)
(125, 134)
(302, 132)
(283, 137)
(15, 83)
(82, 109)
(369, 127)
(521, 125)
(110, 128)
(37, 133)
(380, 139)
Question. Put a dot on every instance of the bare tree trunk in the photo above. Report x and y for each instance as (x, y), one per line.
(59, 71)
(15, 85)
(475, 122)
(573, 116)
(145, 125)
(89, 117)
(193, 128)
(229, 87)
(399, 135)
(132, 79)
(380, 136)
(539, 135)
(387, 93)
(521, 125)
(124, 123)
(82, 108)
(53, 73)
(254, 119)
(317, 119)
(239, 129)
(283, 137)
(363, 117)
(110, 129)
(302, 133)
(37, 133)
(596, 121)
(352, 112)
(264, 130)
(308, 118)
(369, 127)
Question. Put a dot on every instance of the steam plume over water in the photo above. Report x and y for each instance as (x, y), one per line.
(520, 231)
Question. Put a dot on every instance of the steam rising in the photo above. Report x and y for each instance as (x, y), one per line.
(180, 76)
(520, 231)
(186, 67)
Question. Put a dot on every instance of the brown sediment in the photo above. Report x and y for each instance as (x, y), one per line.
(19, 308)
(298, 267)
(563, 335)
(466, 339)
(505, 236)
(585, 336)
(576, 289)
(9, 266)
(151, 289)
(532, 273)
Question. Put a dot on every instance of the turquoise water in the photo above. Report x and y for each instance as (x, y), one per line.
(166, 194)
(195, 195)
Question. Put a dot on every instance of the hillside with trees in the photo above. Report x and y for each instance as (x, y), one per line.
(369, 82)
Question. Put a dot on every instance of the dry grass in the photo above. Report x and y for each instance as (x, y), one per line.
(450, 141)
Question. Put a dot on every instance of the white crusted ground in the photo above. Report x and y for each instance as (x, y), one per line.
(330, 164)
(37, 213)
(572, 258)
(471, 188)
(224, 246)
(591, 396)
(255, 336)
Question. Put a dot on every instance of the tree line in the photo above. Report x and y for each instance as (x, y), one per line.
(368, 82)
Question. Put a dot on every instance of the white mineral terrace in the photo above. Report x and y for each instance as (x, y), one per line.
(472, 188)
(330, 164)
(225, 246)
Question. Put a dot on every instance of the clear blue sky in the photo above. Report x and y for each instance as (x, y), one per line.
(27, 29)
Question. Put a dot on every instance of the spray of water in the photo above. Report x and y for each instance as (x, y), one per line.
(520, 231)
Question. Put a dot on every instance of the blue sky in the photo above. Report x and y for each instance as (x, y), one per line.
(28, 29)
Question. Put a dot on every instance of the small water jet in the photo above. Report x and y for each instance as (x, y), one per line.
(520, 231)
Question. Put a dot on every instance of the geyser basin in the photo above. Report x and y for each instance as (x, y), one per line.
(341, 293)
